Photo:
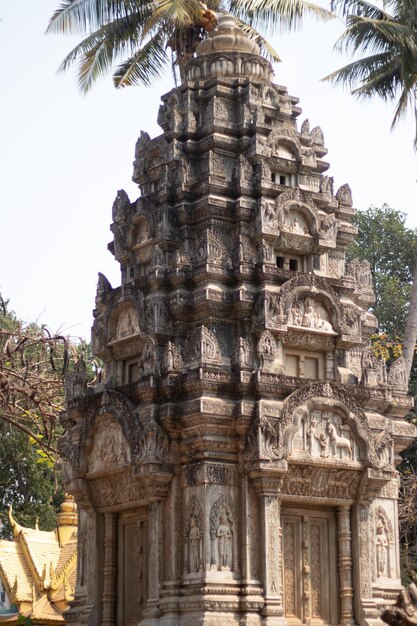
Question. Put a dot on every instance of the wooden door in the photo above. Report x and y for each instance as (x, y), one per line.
(132, 560)
(310, 583)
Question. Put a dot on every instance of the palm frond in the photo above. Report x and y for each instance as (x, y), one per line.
(359, 7)
(145, 65)
(79, 16)
(406, 100)
(360, 72)
(270, 14)
(180, 12)
(265, 47)
(375, 35)
(117, 38)
(388, 68)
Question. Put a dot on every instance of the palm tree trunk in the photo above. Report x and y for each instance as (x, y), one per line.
(410, 337)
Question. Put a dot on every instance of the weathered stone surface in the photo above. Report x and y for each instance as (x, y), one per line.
(236, 466)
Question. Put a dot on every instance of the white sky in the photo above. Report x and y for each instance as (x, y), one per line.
(64, 156)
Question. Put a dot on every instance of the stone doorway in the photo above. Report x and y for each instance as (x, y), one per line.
(132, 558)
(310, 576)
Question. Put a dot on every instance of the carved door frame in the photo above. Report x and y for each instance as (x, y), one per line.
(311, 563)
(129, 521)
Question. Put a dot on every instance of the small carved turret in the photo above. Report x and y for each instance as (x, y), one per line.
(66, 519)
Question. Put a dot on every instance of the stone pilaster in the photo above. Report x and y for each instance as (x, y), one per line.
(109, 569)
(152, 611)
(270, 523)
(344, 536)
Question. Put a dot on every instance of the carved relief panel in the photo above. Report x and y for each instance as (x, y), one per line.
(310, 312)
(110, 448)
(193, 537)
(384, 555)
(127, 323)
(322, 434)
(223, 536)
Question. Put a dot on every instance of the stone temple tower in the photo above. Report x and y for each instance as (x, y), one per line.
(236, 466)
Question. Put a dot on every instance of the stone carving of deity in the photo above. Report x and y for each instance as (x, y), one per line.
(242, 353)
(148, 359)
(313, 437)
(194, 539)
(308, 317)
(127, 324)
(397, 373)
(265, 252)
(170, 359)
(267, 346)
(269, 217)
(309, 313)
(224, 541)
(381, 545)
(296, 314)
(110, 447)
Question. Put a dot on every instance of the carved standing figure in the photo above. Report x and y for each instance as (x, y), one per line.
(224, 535)
(194, 546)
(308, 319)
(381, 544)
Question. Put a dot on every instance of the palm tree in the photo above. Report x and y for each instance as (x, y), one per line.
(138, 34)
(388, 69)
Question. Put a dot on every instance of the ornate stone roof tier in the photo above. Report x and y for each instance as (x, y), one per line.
(228, 52)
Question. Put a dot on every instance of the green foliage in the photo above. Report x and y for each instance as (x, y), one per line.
(387, 43)
(27, 483)
(24, 621)
(391, 249)
(134, 35)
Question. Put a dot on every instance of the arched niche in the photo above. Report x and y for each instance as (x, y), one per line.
(109, 448)
(336, 407)
(123, 322)
(108, 436)
(141, 232)
(286, 148)
(269, 96)
(324, 431)
(305, 215)
(312, 310)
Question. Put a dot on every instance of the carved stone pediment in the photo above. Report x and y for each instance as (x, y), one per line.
(110, 448)
(297, 211)
(211, 249)
(311, 312)
(339, 435)
(203, 346)
(312, 295)
(127, 323)
(344, 195)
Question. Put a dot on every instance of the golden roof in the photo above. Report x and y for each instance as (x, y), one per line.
(38, 568)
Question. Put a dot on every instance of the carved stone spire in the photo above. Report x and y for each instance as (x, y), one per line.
(227, 37)
(228, 51)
